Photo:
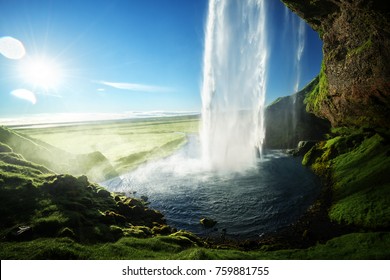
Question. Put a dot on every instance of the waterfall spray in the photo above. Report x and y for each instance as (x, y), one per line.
(234, 84)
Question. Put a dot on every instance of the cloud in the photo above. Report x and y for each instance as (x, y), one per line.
(136, 87)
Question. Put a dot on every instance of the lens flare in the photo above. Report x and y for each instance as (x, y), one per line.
(25, 95)
(12, 48)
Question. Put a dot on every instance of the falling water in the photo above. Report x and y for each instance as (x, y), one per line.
(295, 27)
(299, 51)
(234, 84)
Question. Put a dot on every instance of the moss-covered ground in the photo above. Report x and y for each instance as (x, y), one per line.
(352, 246)
(359, 165)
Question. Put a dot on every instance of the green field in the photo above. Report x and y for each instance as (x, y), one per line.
(125, 144)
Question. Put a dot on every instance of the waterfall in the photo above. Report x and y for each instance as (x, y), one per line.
(299, 50)
(234, 84)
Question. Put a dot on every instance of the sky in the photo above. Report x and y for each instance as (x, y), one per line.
(117, 56)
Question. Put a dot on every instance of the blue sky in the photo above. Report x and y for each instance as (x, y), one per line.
(130, 55)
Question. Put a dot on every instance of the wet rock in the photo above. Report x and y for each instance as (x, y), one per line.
(208, 223)
(304, 147)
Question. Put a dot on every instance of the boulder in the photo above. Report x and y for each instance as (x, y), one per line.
(208, 223)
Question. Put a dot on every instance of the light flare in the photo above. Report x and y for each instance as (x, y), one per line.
(12, 48)
(25, 95)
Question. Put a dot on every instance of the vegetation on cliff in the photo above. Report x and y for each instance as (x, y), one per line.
(288, 122)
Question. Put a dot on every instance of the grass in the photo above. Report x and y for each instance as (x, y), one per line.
(351, 246)
(359, 163)
(124, 144)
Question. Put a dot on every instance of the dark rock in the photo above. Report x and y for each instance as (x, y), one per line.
(103, 193)
(111, 217)
(208, 223)
(144, 198)
(162, 230)
(20, 233)
(133, 202)
(304, 147)
(83, 180)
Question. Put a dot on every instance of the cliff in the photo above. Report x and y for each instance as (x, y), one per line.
(287, 121)
(354, 87)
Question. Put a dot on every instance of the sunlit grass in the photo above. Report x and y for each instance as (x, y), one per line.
(125, 144)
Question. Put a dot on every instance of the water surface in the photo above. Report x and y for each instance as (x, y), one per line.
(272, 195)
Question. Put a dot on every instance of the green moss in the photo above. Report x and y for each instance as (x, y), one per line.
(362, 184)
(357, 164)
(363, 47)
(318, 95)
(350, 246)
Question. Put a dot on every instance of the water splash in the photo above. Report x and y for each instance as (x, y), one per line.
(234, 84)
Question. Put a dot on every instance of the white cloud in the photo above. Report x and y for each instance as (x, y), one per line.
(136, 87)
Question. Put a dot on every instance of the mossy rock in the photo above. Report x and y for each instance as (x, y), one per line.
(116, 232)
(138, 231)
(188, 235)
(103, 193)
(162, 230)
(111, 217)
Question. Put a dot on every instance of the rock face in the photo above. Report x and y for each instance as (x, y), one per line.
(287, 121)
(354, 87)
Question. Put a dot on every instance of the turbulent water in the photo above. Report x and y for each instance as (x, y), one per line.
(267, 197)
(234, 82)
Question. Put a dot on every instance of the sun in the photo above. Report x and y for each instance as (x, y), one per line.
(41, 72)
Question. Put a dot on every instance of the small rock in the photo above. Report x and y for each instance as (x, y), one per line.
(303, 147)
(208, 223)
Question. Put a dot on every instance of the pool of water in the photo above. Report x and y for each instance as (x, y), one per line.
(263, 199)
